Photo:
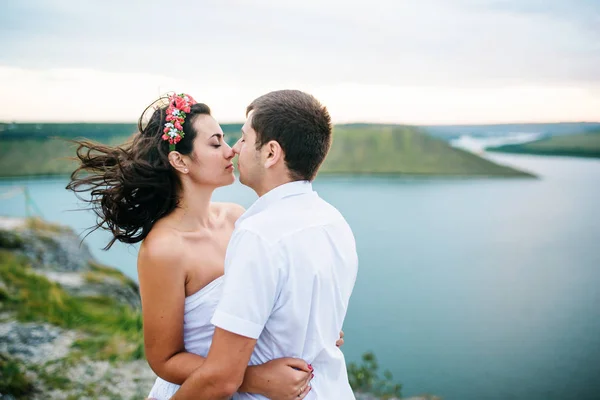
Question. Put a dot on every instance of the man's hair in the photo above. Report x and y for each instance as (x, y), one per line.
(299, 123)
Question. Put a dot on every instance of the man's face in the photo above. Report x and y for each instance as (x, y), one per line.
(250, 166)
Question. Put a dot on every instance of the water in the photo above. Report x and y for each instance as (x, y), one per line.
(469, 289)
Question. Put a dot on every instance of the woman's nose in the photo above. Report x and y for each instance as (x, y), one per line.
(228, 151)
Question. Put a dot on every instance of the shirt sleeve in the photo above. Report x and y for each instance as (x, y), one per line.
(251, 285)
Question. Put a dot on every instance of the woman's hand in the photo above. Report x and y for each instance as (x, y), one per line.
(284, 378)
(340, 341)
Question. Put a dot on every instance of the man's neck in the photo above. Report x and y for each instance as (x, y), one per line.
(271, 184)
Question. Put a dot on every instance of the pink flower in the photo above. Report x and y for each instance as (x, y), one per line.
(180, 102)
(191, 100)
(171, 117)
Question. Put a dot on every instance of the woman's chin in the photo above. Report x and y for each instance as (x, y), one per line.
(230, 180)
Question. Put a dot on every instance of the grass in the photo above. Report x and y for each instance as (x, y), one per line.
(38, 225)
(114, 330)
(403, 150)
(99, 273)
(579, 145)
(10, 240)
(44, 156)
(13, 379)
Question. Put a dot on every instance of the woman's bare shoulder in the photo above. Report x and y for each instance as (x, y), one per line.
(162, 246)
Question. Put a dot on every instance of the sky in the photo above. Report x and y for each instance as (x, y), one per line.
(392, 61)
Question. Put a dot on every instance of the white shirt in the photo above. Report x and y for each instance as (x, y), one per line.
(290, 269)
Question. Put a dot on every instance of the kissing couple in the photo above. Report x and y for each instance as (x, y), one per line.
(242, 304)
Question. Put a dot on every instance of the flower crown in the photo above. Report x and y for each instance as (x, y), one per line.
(179, 105)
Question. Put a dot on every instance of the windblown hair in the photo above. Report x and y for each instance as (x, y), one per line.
(131, 186)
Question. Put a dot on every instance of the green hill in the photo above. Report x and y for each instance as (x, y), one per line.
(48, 156)
(404, 150)
(356, 149)
(577, 145)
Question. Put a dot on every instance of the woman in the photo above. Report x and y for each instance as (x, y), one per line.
(157, 189)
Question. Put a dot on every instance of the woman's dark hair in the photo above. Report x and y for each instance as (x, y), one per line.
(133, 185)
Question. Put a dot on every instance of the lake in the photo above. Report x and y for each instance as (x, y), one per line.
(467, 288)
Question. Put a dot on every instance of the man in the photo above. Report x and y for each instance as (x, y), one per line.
(291, 263)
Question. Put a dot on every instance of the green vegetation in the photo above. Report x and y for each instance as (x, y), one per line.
(356, 149)
(100, 272)
(403, 150)
(365, 378)
(13, 379)
(46, 156)
(579, 145)
(96, 131)
(111, 330)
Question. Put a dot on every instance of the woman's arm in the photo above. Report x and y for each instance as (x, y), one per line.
(162, 290)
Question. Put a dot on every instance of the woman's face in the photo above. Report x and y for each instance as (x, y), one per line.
(212, 156)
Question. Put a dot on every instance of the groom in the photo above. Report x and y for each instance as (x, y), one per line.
(291, 263)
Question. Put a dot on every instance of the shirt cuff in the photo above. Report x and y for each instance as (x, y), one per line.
(236, 325)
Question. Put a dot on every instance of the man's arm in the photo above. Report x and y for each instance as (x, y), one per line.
(222, 373)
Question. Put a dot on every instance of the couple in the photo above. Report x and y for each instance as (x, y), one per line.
(243, 304)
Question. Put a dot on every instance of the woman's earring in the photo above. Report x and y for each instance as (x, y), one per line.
(185, 170)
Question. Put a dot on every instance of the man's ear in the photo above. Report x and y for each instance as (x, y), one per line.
(178, 162)
(273, 153)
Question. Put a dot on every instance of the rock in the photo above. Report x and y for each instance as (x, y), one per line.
(97, 285)
(57, 253)
(35, 343)
(105, 380)
(43, 351)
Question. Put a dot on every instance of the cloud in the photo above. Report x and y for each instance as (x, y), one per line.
(89, 95)
(247, 47)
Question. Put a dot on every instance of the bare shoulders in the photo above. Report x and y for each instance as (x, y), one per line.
(161, 246)
(231, 211)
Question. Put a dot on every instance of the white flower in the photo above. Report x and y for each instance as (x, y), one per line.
(173, 132)
(175, 112)
(169, 125)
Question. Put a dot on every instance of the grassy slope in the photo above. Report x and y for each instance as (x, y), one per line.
(49, 156)
(580, 145)
(403, 150)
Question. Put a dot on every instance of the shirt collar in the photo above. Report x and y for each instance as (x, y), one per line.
(280, 192)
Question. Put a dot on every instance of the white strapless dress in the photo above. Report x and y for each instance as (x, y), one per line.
(197, 330)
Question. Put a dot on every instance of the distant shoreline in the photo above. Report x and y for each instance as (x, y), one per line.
(369, 150)
(585, 145)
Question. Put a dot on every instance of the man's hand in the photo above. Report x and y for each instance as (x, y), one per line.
(340, 341)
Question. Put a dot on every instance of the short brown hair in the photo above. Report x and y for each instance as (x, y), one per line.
(299, 123)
